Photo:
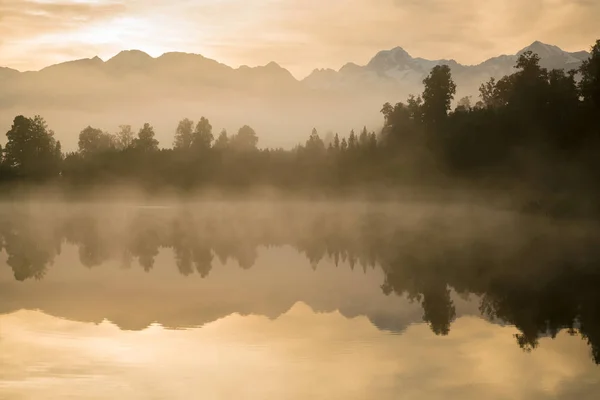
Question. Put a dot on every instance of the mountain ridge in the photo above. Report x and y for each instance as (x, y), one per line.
(396, 54)
(399, 65)
(133, 87)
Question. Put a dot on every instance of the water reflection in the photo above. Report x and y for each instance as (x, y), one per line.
(537, 275)
(300, 355)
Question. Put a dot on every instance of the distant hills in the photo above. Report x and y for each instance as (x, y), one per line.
(133, 87)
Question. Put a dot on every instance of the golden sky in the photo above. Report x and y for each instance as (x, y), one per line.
(299, 34)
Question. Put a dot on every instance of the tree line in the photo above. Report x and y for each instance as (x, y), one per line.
(537, 127)
(541, 288)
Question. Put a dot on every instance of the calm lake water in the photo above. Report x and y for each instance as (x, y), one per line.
(296, 301)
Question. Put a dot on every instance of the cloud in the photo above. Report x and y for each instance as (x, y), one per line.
(25, 19)
(29, 29)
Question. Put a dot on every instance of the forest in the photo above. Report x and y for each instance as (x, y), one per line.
(539, 276)
(536, 130)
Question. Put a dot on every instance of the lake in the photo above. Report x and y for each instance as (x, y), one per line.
(296, 300)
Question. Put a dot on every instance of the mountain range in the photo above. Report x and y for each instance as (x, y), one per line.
(396, 67)
(133, 88)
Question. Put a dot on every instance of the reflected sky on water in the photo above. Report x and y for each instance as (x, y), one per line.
(296, 301)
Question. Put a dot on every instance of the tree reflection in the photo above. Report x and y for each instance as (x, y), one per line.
(146, 240)
(29, 251)
(85, 233)
(541, 279)
(191, 247)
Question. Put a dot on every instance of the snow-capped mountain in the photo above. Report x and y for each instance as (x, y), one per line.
(398, 71)
(133, 87)
(389, 71)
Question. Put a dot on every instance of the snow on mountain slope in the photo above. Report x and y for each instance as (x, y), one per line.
(134, 88)
(397, 69)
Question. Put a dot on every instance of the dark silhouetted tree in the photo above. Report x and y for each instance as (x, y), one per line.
(92, 141)
(202, 136)
(438, 94)
(145, 141)
(124, 137)
(487, 93)
(245, 139)
(31, 151)
(184, 134)
(352, 141)
(222, 141)
(363, 139)
(314, 144)
(344, 145)
(464, 104)
(589, 85)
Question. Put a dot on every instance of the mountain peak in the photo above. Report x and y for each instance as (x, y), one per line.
(131, 55)
(542, 49)
(134, 53)
(388, 59)
(278, 70)
(323, 71)
(129, 60)
(178, 54)
(399, 50)
(350, 68)
(273, 65)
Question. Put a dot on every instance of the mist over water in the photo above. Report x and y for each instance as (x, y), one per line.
(449, 251)
(99, 299)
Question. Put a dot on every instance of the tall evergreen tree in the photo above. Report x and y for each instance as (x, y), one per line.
(145, 141)
(222, 141)
(363, 139)
(344, 145)
(589, 85)
(184, 134)
(438, 94)
(352, 141)
(245, 140)
(202, 136)
(314, 144)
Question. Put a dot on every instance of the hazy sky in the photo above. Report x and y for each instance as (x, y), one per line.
(299, 34)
